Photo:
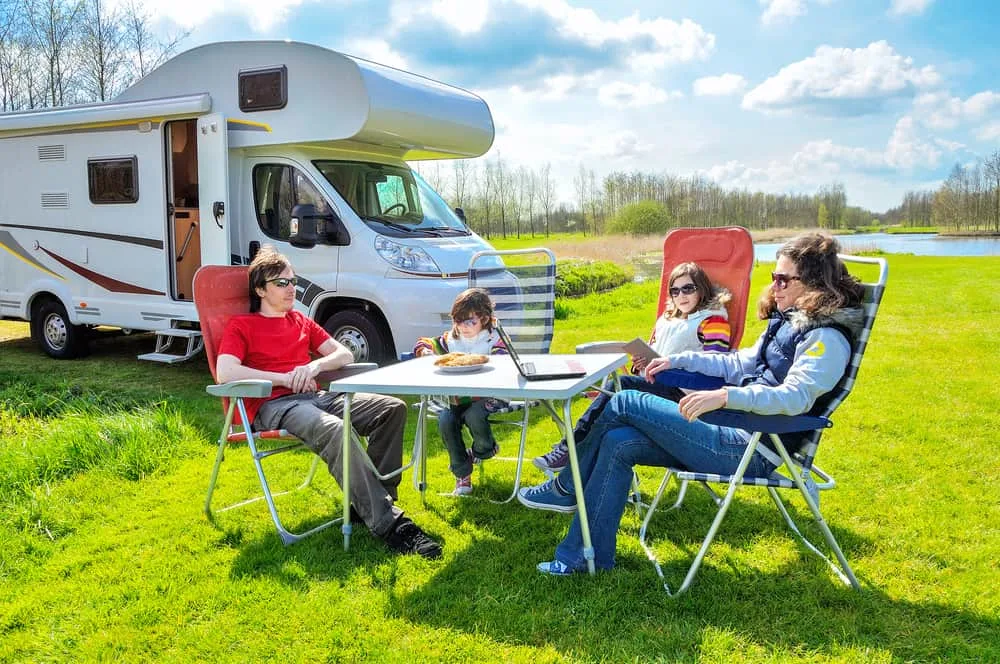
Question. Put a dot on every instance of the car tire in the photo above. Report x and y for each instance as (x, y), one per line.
(361, 334)
(55, 334)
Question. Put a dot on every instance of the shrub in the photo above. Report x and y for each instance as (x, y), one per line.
(642, 218)
(578, 277)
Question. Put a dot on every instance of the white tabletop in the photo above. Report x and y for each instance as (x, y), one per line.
(498, 378)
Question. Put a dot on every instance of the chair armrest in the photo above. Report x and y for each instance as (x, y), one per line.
(251, 387)
(689, 380)
(352, 369)
(601, 347)
(764, 423)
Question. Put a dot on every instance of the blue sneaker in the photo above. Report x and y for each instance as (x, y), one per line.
(546, 496)
(556, 568)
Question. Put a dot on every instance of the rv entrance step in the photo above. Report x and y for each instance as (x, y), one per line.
(164, 339)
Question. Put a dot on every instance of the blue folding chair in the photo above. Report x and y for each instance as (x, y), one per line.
(799, 468)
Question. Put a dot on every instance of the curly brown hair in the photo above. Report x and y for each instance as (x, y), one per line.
(472, 303)
(829, 286)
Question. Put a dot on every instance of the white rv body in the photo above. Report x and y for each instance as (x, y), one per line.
(106, 210)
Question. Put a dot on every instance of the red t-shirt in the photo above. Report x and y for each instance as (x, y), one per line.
(277, 344)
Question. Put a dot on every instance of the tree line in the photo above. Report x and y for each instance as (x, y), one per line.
(61, 52)
(501, 200)
(967, 201)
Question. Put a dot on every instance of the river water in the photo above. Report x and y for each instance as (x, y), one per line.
(918, 244)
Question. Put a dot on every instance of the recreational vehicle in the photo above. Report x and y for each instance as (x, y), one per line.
(107, 210)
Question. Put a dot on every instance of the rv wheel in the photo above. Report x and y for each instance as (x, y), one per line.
(55, 334)
(359, 333)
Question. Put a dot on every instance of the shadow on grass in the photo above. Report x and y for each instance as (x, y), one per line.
(491, 587)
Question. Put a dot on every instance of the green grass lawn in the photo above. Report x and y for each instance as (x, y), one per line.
(105, 554)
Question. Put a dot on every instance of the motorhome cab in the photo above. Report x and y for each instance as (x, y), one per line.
(107, 210)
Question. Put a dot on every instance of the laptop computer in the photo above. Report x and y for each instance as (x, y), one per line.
(541, 368)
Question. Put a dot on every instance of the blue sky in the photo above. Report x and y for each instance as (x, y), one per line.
(883, 96)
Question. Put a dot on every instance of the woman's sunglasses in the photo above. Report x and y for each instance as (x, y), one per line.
(687, 289)
(781, 280)
(283, 282)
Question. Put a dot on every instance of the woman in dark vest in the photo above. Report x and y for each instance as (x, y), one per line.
(813, 311)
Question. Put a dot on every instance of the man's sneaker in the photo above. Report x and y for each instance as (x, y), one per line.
(463, 486)
(556, 568)
(547, 497)
(552, 462)
(407, 537)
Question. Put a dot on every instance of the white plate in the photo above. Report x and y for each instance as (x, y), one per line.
(470, 368)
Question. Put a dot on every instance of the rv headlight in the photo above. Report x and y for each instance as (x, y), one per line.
(404, 257)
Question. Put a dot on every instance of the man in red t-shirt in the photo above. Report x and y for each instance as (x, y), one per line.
(276, 343)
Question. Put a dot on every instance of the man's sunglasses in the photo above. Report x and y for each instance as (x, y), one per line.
(781, 280)
(283, 282)
(687, 289)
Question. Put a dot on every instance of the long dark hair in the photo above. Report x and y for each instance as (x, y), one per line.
(708, 293)
(829, 285)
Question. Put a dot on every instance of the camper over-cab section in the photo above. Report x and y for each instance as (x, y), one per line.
(107, 210)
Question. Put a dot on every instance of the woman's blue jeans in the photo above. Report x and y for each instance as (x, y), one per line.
(640, 428)
(628, 382)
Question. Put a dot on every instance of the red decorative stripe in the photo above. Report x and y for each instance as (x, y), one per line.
(273, 434)
(104, 282)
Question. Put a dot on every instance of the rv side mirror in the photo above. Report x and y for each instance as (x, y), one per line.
(302, 227)
(460, 213)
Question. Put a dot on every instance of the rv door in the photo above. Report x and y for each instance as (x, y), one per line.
(213, 190)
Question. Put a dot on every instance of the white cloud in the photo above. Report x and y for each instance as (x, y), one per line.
(902, 7)
(263, 15)
(617, 145)
(621, 94)
(776, 11)
(939, 110)
(465, 16)
(376, 50)
(990, 132)
(725, 84)
(842, 81)
(907, 150)
(554, 88)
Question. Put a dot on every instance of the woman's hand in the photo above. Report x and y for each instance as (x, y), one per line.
(655, 366)
(698, 403)
(638, 364)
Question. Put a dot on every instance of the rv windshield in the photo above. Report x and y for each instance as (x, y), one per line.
(392, 199)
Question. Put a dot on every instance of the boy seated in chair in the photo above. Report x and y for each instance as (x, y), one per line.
(276, 343)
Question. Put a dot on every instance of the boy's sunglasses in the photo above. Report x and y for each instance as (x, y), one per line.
(687, 289)
(283, 282)
(468, 322)
(781, 280)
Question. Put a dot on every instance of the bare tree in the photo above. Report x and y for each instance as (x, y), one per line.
(582, 185)
(147, 51)
(462, 170)
(546, 193)
(53, 26)
(102, 51)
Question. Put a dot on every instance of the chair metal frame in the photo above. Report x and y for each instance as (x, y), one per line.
(799, 466)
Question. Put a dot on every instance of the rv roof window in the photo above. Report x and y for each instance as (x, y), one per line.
(263, 89)
(112, 181)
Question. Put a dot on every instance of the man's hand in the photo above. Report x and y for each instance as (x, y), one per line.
(698, 403)
(303, 378)
(655, 366)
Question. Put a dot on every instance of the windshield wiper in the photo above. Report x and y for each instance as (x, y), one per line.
(391, 224)
(447, 229)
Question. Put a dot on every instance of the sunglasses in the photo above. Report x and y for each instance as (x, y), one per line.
(468, 322)
(782, 280)
(687, 289)
(283, 282)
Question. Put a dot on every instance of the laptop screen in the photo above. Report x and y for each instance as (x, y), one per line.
(510, 346)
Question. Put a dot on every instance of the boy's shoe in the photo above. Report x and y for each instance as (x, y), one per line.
(554, 461)
(489, 455)
(407, 538)
(556, 568)
(463, 486)
(546, 496)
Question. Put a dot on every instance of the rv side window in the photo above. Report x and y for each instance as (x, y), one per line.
(113, 181)
(263, 89)
(278, 188)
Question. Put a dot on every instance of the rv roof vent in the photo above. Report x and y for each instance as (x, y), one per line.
(51, 152)
(58, 201)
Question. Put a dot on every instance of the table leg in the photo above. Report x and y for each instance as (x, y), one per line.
(345, 456)
(574, 466)
(422, 432)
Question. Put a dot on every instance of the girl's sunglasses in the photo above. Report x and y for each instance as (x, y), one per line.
(283, 282)
(687, 289)
(781, 280)
(468, 322)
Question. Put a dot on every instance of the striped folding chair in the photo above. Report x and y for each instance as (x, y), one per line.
(796, 470)
(522, 285)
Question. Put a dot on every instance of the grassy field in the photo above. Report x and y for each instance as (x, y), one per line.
(105, 555)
